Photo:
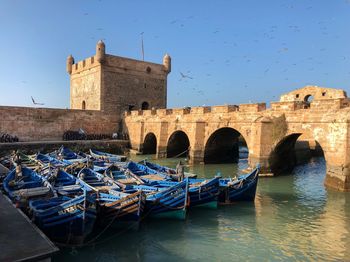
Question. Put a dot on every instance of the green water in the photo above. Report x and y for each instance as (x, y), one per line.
(294, 218)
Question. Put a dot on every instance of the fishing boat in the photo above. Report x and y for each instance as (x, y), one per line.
(66, 220)
(170, 202)
(122, 175)
(202, 192)
(145, 173)
(19, 158)
(107, 156)
(113, 205)
(64, 183)
(46, 159)
(166, 170)
(64, 153)
(241, 189)
(23, 184)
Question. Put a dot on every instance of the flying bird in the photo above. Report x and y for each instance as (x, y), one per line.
(35, 103)
(185, 76)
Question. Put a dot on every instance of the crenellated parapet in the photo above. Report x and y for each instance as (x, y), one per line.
(83, 65)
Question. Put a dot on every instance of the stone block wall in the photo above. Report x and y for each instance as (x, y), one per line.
(85, 85)
(45, 124)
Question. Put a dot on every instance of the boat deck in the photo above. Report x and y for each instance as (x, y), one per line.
(19, 238)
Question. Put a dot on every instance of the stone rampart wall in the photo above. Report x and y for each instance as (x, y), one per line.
(45, 124)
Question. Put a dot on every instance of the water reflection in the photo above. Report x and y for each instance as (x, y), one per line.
(292, 219)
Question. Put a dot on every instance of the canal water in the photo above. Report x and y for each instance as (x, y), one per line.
(294, 218)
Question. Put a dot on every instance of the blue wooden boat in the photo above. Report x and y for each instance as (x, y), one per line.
(165, 170)
(107, 156)
(97, 180)
(66, 220)
(145, 173)
(23, 184)
(113, 205)
(241, 189)
(64, 183)
(171, 202)
(202, 192)
(46, 159)
(29, 161)
(64, 153)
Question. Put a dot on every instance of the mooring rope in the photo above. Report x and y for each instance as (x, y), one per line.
(180, 154)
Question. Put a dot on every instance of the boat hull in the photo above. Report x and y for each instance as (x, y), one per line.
(206, 194)
(115, 211)
(171, 202)
(64, 220)
(244, 190)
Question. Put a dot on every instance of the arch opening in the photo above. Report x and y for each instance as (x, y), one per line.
(291, 151)
(145, 106)
(83, 105)
(225, 145)
(150, 144)
(308, 98)
(178, 145)
(307, 101)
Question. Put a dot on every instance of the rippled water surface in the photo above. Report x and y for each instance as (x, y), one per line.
(293, 218)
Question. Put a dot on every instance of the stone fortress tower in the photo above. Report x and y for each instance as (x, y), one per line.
(116, 84)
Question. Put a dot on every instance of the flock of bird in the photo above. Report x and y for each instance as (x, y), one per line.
(188, 77)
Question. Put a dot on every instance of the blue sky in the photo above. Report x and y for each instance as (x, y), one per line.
(234, 51)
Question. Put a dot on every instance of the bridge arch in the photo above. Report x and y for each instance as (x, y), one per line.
(178, 144)
(223, 146)
(149, 144)
(287, 153)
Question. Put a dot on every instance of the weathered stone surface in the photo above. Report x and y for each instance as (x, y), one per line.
(318, 93)
(40, 124)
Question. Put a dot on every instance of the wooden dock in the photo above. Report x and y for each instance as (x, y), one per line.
(20, 239)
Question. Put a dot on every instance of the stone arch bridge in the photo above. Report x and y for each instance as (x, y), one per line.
(211, 134)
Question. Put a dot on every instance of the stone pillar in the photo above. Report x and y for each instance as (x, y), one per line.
(336, 149)
(163, 140)
(136, 137)
(261, 144)
(196, 153)
(338, 177)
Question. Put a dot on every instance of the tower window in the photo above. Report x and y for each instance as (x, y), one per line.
(83, 106)
(145, 106)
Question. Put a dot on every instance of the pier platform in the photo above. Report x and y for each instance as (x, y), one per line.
(20, 239)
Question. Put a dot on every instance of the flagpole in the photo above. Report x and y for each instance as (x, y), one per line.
(142, 48)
